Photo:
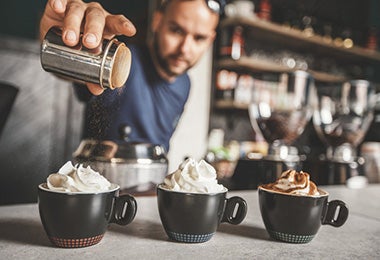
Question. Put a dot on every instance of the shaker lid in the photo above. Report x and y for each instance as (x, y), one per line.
(116, 64)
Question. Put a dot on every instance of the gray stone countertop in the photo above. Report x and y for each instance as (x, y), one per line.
(22, 235)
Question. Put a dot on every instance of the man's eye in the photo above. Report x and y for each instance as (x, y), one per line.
(176, 31)
(200, 38)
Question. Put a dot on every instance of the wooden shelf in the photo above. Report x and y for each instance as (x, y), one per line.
(262, 66)
(296, 39)
(252, 64)
(229, 104)
(326, 77)
(271, 33)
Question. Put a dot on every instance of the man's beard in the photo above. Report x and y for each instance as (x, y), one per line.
(162, 62)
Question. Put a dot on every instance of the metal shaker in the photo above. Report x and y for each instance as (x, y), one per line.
(108, 65)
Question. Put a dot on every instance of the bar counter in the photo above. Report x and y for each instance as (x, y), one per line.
(23, 237)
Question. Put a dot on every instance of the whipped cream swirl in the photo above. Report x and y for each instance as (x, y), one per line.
(77, 179)
(293, 182)
(195, 177)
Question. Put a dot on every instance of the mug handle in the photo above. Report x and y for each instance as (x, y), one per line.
(241, 211)
(125, 208)
(329, 216)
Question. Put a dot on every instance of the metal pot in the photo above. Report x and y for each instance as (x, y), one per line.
(136, 167)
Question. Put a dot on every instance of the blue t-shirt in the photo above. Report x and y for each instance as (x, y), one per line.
(148, 104)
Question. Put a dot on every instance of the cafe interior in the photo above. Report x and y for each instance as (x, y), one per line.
(268, 56)
(289, 89)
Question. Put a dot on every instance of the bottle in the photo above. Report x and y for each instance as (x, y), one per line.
(327, 33)
(347, 38)
(372, 39)
(237, 44)
(265, 10)
(243, 90)
(308, 29)
(108, 65)
(225, 84)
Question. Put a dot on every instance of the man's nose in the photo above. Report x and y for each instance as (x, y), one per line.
(186, 44)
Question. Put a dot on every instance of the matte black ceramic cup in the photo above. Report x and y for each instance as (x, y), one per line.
(195, 217)
(78, 219)
(297, 219)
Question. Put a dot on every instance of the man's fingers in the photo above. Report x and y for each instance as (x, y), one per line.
(120, 25)
(94, 25)
(59, 6)
(53, 16)
(75, 16)
(72, 22)
(94, 89)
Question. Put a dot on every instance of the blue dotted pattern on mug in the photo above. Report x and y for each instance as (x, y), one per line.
(291, 238)
(190, 238)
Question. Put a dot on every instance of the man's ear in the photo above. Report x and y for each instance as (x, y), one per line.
(157, 17)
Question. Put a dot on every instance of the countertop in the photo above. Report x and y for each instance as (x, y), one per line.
(22, 235)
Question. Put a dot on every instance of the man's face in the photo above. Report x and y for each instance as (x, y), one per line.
(182, 34)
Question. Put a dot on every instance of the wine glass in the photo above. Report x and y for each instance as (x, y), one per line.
(343, 114)
(280, 111)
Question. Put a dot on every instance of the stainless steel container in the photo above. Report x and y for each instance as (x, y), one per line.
(108, 65)
(136, 167)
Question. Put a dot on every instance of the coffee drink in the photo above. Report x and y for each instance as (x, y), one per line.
(293, 208)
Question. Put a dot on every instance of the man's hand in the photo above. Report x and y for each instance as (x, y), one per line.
(75, 16)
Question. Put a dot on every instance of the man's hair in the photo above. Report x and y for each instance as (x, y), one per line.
(162, 4)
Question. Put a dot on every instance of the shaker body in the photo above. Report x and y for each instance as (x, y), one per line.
(108, 65)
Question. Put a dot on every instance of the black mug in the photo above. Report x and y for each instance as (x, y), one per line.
(79, 219)
(195, 217)
(297, 218)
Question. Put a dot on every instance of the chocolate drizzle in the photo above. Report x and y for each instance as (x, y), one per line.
(293, 182)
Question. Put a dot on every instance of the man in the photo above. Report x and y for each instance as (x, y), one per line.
(153, 98)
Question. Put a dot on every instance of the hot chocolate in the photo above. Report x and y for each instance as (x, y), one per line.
(192, 204)
(77, 205)
(293, 208)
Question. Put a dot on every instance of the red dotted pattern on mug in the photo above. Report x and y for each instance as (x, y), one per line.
(74, 243)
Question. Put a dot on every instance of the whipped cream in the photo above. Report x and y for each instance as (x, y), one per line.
(77, 179)
(195, 177)
(293, 182)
